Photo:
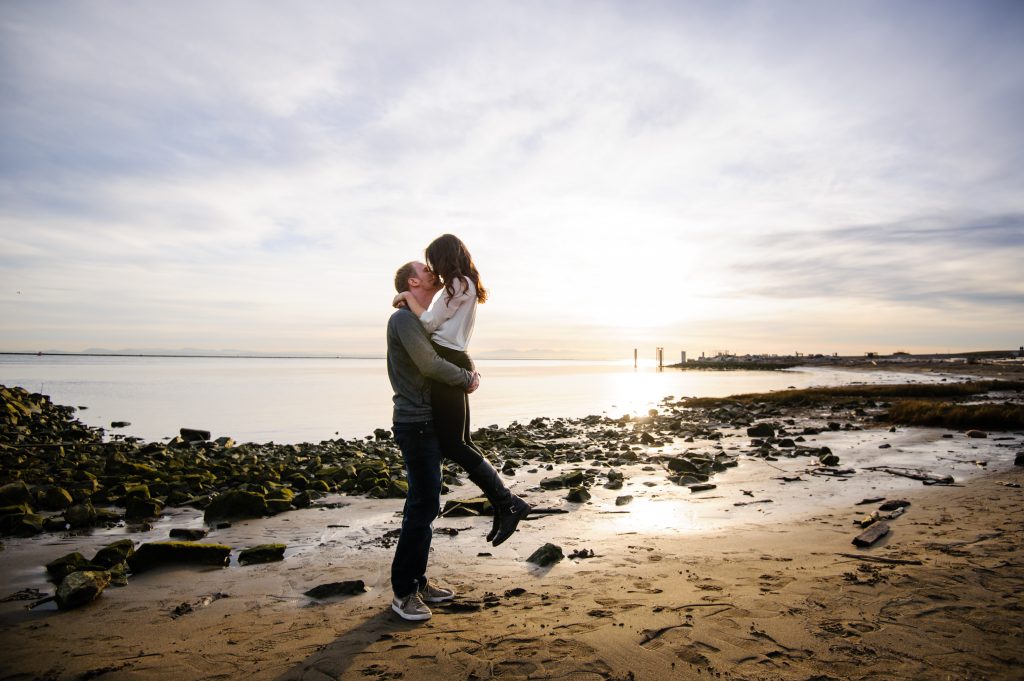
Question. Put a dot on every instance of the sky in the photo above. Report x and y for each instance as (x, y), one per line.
(718, 176)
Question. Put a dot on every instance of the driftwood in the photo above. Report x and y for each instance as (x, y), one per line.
(748, 503)
(871, 535)
(926, 478)
(880, 559)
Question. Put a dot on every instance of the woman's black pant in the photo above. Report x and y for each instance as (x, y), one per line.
(450, 405)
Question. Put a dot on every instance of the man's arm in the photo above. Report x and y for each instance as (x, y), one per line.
(422, 353)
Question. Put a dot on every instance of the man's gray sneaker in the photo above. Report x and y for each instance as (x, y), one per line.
(411, 607)
(432, 593)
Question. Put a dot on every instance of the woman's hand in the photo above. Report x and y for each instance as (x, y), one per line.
(399, 300)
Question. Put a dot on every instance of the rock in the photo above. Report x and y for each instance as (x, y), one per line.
(623, 500)
(548, 554)
(828, 459)
(1019, 461)
(81, 588)
(456, 508)
(194, 435)
(570, 479)
(53, 498)
(578, 495)
(893, 504)
(381, 434)
(188, 534)
(884, 446)
(832, 425)
(681, 465)
(702, 487)
(114, 554)
(15, 493)
(646, 438)
(613, 484)
(155, 554)
(761, 430)
(80, 515)
(236, 504)
(976, 433)
(225, 442)
(351, 588)
(264, 553)
(60, 568)
(119, 424)
(140, 508)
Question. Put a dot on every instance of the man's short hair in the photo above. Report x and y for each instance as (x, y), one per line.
(402, 276)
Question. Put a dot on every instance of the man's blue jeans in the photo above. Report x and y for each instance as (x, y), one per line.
(422, 454)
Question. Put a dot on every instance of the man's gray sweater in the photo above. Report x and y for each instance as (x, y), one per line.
(411, 361)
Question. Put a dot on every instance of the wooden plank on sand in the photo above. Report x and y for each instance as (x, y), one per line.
(871, 535)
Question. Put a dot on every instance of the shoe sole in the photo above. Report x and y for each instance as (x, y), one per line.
(410, 618)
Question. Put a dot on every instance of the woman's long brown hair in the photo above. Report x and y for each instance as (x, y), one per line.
(449, 259)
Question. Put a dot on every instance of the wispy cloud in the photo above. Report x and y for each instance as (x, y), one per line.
(250, 174)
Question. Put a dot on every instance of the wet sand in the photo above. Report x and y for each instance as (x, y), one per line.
(682, 585)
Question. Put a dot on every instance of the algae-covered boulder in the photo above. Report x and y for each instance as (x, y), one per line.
(828, 459)
(53, 498)
(155, 554)
(80, 515)
(15, 493)
(578, 495)
(80, 588)
(142, 508)
(546, 555)
(236, 504)
(761, 430)
(264, 553)
(570, 479)
(455, 508)
(61, 567)
(112, 554)
(188, 533)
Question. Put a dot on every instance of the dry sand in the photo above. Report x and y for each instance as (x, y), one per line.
(682, 586)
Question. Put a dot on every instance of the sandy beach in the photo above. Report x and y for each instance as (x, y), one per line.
(753, 579)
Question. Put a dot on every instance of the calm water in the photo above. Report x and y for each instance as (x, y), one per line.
(309, 400)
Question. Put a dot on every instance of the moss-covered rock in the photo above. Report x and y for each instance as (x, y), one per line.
(578, 495)
(236, 504)
(60, 568)
(15, 493)
(264, 553)
(80, 515)
(155, 554)
(546, 555)
(570, 479)
(80, 588)
(142, 508)
(112, 554)
(53, 498)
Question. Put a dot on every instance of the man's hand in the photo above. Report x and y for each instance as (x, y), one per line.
(474, 383)
(399, 300)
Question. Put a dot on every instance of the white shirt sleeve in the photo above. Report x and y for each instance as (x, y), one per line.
(442, 309)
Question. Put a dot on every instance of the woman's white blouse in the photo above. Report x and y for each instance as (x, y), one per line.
(450, 322)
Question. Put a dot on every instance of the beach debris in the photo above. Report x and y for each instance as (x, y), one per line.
(894, 504)
(869, 500)
(871, 535)
(29, 594)
(702, 487)
(623, 500)
(790, 478)
(188, 533)
(885, 446)
(580, 554)
(80, 588)
(347, 588)
(875, 516)
(881, 559)
(578, 495)
(155, 554)
(120, 424)
(976, 434)
(187, 607)
(914, 474)
(866, 575)
(263, 553)
(1004, 483)
(748, 503)
(548, 554)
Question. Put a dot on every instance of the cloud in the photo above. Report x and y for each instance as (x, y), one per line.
(250, 173)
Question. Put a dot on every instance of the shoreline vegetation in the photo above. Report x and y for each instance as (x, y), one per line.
(58, 475)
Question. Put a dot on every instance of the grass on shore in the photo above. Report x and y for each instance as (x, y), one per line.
(957, 416)
(812, 396)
